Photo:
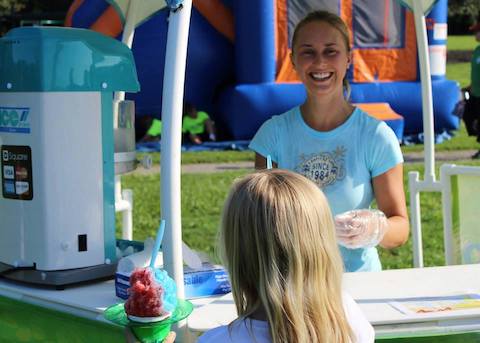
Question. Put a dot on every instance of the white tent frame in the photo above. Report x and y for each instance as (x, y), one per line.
(172, 104)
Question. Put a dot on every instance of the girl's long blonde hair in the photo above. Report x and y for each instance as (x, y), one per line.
(277, 241)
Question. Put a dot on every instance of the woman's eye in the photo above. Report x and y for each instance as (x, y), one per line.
(307, 53)
(331, 52)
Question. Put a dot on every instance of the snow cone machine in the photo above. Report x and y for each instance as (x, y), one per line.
(57, 128)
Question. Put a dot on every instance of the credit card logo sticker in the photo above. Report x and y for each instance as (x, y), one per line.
(9, 187)
(8, 172)
(21, 187)
(21, 173)
(15, 119)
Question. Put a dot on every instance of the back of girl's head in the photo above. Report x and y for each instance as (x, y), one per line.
(278, 243)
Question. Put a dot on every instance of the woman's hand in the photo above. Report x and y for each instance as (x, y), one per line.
(360, 228)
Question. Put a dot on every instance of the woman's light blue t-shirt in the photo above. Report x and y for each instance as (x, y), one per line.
(342, 162)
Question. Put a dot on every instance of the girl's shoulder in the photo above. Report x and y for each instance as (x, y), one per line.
(219, 334)
(239, 331)
(359, 324)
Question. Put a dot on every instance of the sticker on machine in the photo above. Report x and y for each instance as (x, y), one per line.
(15, 119)
(8, 172)
(21, 187)
(16, 166)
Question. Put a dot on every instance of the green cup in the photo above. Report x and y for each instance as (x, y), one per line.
(154, 332)
(151, 333)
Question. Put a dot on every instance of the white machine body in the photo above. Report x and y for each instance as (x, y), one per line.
(62, 226)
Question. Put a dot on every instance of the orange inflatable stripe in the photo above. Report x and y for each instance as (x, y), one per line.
(346, 13)
(285, 72)
(218, 15)
(109, 23)
(379, 110)
(71, 11)
(388, 64)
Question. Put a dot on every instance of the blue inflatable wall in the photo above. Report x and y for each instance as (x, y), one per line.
(236, 83)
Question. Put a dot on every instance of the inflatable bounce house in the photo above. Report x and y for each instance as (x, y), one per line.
(239, 70)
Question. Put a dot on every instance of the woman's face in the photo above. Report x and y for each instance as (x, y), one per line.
(320, 58)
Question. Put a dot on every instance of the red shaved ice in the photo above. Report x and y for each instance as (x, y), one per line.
(145, 295)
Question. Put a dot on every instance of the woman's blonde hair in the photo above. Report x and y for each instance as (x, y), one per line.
(336, 22)
(277, 241)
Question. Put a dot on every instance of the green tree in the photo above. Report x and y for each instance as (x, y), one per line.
(12, 6)
(462, 14)
(469, 8)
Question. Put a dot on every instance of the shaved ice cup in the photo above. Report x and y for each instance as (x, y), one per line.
(151, 333)
(154, 332)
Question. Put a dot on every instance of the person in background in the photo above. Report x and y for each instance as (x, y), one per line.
(277, 241)
(351, 156)
(154, 133)
(197, 127)
(471, 115)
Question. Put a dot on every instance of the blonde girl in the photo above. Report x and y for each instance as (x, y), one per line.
(277, 241)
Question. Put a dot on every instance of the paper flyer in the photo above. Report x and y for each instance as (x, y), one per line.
(440, 304)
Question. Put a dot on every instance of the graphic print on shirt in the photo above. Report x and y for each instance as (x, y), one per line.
(323, 168)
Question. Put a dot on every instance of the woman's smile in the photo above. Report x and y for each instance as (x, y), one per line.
(321, 76)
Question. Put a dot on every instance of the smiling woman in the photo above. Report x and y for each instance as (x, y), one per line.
(351, 156)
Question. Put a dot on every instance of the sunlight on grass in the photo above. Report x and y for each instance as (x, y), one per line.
(461, 42)
(202, 200)
(459, 72)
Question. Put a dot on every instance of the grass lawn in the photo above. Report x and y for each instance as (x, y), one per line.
(459, 72)
(461, 42)
(202, 200)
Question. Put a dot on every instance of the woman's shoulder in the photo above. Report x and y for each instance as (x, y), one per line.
(366, 118)
(285, 117)
(371, 125)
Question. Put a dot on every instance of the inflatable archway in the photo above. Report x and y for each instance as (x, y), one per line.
(239, 71)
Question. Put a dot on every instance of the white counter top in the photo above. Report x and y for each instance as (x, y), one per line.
(372, 291)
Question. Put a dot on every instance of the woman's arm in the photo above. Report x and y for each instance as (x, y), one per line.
(261, 162)
(390, 196)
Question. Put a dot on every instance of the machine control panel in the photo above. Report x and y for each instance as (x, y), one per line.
(16, 162)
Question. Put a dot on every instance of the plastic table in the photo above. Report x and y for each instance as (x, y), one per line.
(373, 292)
(36, 314)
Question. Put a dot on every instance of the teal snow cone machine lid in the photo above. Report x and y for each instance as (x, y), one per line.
(35, 59)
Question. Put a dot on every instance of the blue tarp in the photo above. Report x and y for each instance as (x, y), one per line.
(207, 146)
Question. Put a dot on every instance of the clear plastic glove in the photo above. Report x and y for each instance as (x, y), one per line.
(360, 228)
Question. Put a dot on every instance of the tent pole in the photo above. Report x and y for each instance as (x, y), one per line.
(427, 101)
(172, 107)
(128, 34)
